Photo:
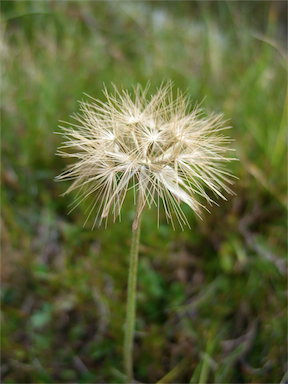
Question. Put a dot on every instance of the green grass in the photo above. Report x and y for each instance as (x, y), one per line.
(211, 301)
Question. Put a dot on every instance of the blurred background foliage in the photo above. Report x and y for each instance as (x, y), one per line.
(211, 300)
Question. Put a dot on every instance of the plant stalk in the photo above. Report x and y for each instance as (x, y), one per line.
(131, 302)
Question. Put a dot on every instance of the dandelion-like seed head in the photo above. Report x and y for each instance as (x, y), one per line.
(161, 147)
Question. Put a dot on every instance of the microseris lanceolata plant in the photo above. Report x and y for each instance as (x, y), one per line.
(160, 146)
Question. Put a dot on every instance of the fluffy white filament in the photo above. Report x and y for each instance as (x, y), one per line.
(161, 148)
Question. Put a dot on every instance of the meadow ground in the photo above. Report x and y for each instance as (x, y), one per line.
(211, 301)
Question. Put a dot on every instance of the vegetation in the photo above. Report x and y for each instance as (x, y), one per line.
(211, 301)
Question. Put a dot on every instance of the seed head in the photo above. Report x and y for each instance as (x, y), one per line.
(162, 148)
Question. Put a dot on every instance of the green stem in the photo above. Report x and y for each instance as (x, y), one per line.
(131, 302)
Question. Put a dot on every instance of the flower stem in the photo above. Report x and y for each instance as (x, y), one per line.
(131, 302)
